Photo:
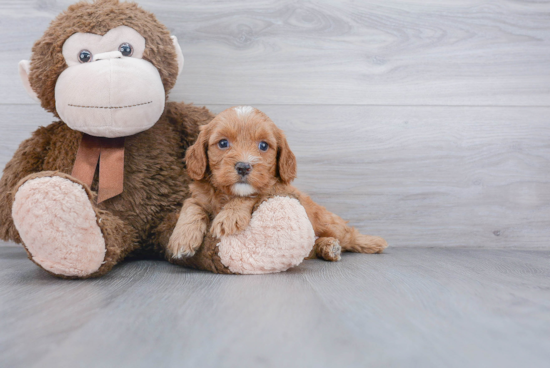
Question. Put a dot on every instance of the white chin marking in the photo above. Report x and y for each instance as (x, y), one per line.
(243, 189)
(243, 111)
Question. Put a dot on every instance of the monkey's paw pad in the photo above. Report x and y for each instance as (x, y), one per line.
(58, 226)
(278, 237)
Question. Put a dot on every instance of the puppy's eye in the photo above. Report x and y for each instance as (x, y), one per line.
(126, 49)
(223, 144)
(84, 56)
(263, 146)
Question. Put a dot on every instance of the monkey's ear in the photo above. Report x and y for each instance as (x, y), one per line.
(196, 158)
(24, 71)
(178, 53)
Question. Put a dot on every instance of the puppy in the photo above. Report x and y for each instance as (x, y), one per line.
(239, 159)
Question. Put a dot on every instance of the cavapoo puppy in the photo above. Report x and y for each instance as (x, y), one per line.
(239, 159)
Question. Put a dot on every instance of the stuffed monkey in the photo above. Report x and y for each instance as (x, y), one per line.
(107, 180)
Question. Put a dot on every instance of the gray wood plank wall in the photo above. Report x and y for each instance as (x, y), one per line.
(426, 122)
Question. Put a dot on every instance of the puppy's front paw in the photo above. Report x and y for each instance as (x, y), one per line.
(184, 242)
(229, 222)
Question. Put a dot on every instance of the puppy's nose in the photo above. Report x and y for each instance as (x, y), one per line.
(243, 168)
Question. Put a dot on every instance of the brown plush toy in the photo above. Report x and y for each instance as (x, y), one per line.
(109, 179)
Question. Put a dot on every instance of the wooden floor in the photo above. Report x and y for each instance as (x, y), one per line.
(423, 307)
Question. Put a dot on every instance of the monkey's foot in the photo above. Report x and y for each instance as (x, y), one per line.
(278, 237)
(58, 226)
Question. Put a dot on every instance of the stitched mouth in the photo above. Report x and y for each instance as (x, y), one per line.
(110, 107)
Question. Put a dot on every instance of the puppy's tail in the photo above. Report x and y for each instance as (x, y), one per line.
(360, 243)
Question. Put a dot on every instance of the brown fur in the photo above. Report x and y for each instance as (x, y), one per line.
(213, 170)
(155, 179)
(47, 61)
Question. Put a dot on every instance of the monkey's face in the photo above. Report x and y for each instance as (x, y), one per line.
(108, 89)
(104, 67)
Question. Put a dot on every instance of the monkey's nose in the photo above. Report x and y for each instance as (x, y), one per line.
(243, 168)
(108, 55)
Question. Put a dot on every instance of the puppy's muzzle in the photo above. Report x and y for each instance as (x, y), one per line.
(243, 168)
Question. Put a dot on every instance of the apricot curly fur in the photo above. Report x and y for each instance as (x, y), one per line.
(213, 194)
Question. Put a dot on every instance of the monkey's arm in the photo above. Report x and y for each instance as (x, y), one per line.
(28, 159)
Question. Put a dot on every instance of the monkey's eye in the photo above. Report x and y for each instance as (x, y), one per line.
(126, 49)
(84, 56)
(223, 144)
(263, 146)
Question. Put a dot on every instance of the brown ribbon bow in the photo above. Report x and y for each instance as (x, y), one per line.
(110, 154)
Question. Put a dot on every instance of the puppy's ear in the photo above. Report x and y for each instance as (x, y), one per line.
(196, 158)
(286, 161)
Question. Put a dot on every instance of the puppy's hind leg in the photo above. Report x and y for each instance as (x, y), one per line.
(361, 243)
(331, 228)
(326, 248)
(349, 238)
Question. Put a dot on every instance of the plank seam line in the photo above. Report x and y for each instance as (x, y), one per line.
(347, 105)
